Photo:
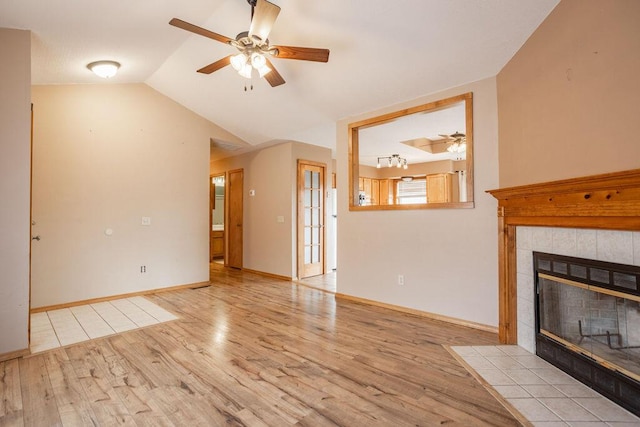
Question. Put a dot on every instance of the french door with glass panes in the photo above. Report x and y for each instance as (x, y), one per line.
(310, 218)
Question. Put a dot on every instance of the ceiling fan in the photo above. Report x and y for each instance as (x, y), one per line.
(253, 45)
(456, 136)
(457, 140)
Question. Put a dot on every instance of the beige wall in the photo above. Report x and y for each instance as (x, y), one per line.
(15, 163)
(448, 256)
(568, 100)
(269, 246)
(104, 156)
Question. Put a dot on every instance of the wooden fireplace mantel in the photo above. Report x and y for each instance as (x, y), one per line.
(608, 201)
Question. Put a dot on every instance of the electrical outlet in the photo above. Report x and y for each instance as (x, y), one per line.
(400, 279)
(143, 269)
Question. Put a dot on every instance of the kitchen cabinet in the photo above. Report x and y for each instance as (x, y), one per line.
(375, 191)
(384, 192)
(439, 188)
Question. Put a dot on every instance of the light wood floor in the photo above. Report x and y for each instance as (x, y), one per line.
(255, 351)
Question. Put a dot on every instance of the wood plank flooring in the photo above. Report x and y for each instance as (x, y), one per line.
(255, 351)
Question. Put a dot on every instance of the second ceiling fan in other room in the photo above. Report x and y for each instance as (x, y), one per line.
(253, 45)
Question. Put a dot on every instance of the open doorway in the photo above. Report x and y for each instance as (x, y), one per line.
(216, 207)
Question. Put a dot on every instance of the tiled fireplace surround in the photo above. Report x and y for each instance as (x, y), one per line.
(621, 247)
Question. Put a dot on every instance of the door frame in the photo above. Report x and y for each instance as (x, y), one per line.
(300, 214)
(212, 197)
(31, 224)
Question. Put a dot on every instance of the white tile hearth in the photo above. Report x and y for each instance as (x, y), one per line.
(56, 328)
(541, 393)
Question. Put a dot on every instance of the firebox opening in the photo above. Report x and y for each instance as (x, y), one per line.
(588, 323)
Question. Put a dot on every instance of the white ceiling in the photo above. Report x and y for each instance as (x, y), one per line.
(382, 52)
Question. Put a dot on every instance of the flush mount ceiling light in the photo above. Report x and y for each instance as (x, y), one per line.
(104, 69)
(393, 160)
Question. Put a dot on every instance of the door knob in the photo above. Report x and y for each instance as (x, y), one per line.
(35, 238)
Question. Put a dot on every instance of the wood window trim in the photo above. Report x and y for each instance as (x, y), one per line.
(607, 201)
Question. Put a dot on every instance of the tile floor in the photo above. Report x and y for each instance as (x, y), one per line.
(542, 393)
(66, 326)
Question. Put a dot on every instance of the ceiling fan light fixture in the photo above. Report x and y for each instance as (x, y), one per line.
(238, 61)
(258, 60)
(457, 147)
(245, 71)
(104, 69)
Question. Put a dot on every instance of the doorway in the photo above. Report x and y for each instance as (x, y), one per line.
(234, 228)
(216, 218)
(311, 232)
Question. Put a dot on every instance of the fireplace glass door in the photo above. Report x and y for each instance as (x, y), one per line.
(601, 323)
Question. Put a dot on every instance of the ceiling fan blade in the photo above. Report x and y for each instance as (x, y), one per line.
(273, 77)
(303, 53)
(264, 15)
(215, 66)
(199, 30)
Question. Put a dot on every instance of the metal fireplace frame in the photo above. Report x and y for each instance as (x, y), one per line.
(609, 382)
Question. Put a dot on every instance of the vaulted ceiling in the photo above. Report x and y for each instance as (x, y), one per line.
(382, 52)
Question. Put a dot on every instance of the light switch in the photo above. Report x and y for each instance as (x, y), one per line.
(146, 220)
(252, 193)
(280, 219)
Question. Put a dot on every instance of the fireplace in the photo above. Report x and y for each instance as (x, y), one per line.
(593, 217)
(588, 323)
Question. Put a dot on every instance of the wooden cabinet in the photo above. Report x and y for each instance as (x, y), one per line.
(366, 187)
(371, 189)
(375, 191)
(217, 244)
(384, 192)
(439, 188)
